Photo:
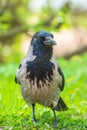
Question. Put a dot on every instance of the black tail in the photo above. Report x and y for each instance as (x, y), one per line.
(61, 106)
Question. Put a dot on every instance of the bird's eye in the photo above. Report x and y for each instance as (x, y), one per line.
(42, 38)
(52, 35)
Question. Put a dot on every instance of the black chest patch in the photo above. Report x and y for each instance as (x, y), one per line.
(42, 71)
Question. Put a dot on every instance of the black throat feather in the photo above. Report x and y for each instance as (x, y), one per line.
(41, 67)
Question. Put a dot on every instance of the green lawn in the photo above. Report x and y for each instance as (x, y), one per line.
(16, 115)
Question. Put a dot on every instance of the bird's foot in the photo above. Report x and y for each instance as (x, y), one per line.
(34, 121)
(55, 123)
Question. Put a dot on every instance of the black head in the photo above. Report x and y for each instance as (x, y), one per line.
(42, 43)
(44, 38)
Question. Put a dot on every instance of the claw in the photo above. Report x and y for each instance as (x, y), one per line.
(54, 125)
(35, 121)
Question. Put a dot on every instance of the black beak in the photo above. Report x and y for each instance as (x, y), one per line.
(50, 41)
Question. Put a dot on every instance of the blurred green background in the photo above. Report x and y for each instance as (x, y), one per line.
(19, 20)
(22, 18)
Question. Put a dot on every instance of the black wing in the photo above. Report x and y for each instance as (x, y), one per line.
(15, 79)
(63, 79)
(16, 76)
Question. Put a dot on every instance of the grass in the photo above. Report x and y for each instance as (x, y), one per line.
(16, 115)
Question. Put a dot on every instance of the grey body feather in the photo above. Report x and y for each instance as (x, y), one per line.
(40, 76)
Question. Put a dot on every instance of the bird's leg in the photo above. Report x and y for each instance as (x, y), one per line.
(33, 113)
(55, 119)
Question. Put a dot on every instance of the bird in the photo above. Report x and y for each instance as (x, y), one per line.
(40, 76)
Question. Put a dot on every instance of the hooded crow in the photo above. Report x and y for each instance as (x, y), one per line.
(40, 76)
